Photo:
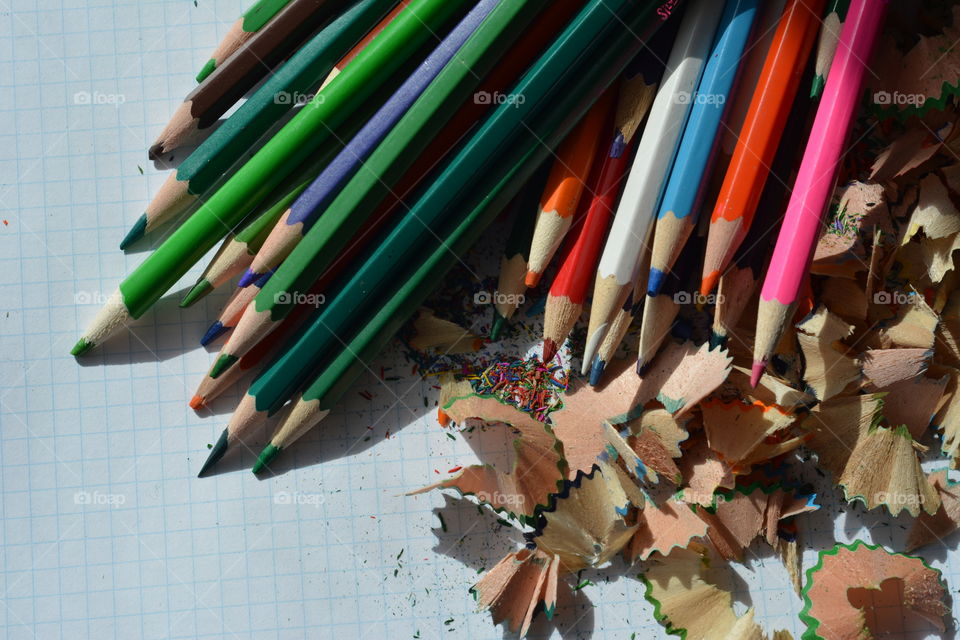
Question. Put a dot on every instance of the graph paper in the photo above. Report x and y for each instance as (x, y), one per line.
(107, 532)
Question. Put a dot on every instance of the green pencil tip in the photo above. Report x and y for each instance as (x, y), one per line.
(81, 347)
(207, 70)
(818, 83)
(223, 363)
(266, 457)
(137, 231)
(497, 328)
(215, 454)
(202, 288)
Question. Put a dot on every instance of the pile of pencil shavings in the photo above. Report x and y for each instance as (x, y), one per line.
(684, 468)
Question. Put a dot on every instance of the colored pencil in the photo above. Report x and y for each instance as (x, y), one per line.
(565, 107)
(687, 182)
(321, 395)
(760, 135)
(241, 72)
(513, 262)
(740, 279)
(357, 48)
(354, 204)
(633, 220)
(223, 152)
(240, 31)
(816, 177)
(306, 209)
(296, 142)
(564, 189)
(578, 261)
(827, 43)
(232, 311)
(619, 327)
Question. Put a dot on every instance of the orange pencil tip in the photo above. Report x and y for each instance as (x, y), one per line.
(709, 283)
(443, 418)
(532, 279)
(196, 403)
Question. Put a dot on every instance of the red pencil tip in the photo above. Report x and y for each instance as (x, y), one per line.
(532, 279)
(196, 403)
(549, 349)
(709, 283)
(757, 372)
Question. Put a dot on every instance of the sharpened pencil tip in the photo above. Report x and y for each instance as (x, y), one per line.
(137, 231)
(224, 362)
(717, 340)
(202, 288)
(206, 70)
(213, 332)
(497, 327)
(248, 278)
(655, 281)
(818, 83)
(443, 418)
(196, 403)
(643, 366)
(549, 349)
(709, 283)
(756, 372)
(216, 453)
(81, 347)
(532, 279)
(269, 453)
(596, 371)
(156, 151)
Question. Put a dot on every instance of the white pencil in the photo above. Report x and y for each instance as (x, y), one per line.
(638, 205)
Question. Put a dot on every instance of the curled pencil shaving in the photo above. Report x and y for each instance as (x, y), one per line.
(431, 332)
(914, 324)
(770, 391)
(828, 368)
(861, 591)
(703, 473)
(928, 528)
(662, 527)
(746, 434)
(840, 250)
(514, 588)
(683, 374)
(883, 368)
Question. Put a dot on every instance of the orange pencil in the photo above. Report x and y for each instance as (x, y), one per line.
(760, 136)
(563, 190)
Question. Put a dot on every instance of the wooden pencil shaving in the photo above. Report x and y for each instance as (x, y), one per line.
(514, 588)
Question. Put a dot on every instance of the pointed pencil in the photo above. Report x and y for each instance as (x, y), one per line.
(513, 262)
(827, 43)
(816, 177)
(563, 111)
(564, 190)
(688, 180)
(230, 315)
(306, 209)
(760, 136)
(299, 139)
(240, 31)
(227, 148)
(633, 221)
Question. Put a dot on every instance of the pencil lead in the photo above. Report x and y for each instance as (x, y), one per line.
(266, 457)
(497, 327)
(655, 281)
(196, 402)
(216, 453)
(596, 371)
(818, 83)
(248, 278)
(199, 290)
(709, 283)
(213, 332)
(756, 372)
(137, 231)
(223, 363)
(443, 418)
(206, 70)
(81, 347)
(643, 366)
(532, 279)
(549, 349)
(717, 340)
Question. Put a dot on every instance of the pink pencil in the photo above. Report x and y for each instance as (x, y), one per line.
(815, 180)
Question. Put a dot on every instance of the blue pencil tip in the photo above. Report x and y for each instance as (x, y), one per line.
(596, 371)
(215, 331)
(655, 281)
(248, 278)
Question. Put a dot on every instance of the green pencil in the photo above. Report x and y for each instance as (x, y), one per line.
(827, 44)
(362, 194)
(242, 30)
(311, 129)
(203, 170)
(501, 183)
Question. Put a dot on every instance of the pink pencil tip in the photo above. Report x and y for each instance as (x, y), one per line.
(757, 372)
